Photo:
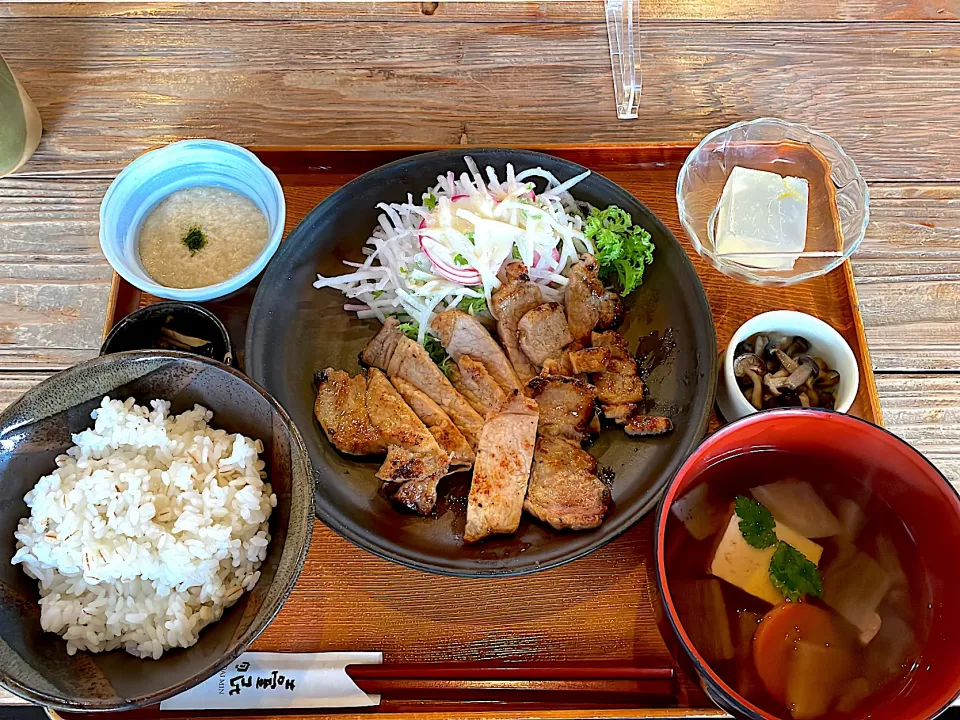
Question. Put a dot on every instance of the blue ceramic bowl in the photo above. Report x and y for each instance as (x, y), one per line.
(153, 176)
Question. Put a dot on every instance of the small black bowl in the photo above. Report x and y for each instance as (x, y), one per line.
(143, 330)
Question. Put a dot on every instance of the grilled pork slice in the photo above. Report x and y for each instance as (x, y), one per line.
(502, 470)
(543, 333)
(589, 304)
(513, 271)
(382, 348)
(561, 365)
(566, 406)
(510, 302)
(475, 383)
(400, 357)
(462, 334)
(620, 413)
(448, 436)
(564, 490)
(401, 430)
(419, 495)
(647, 425)
(635, 422)
(620, 383)
(341, 409)
(413, 453)
(589, 360)
(619, 389)
(615, 388)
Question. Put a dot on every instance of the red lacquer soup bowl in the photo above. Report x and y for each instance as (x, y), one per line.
(918, 495)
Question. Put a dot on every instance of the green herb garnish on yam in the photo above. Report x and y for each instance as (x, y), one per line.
(756, 522)
(793, 574)
(194, 240)
(623, 249)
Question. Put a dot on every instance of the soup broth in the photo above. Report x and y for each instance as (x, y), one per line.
(832, 649)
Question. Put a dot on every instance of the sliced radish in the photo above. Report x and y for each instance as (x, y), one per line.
(438, 254)
(449, 274)
(554, 253)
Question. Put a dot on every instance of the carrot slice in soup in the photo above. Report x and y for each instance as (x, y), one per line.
(776, 640)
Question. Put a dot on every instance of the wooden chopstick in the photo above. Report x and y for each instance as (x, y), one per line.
(554, 682)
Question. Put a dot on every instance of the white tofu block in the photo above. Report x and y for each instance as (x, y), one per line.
(743, 565)
(762, 212)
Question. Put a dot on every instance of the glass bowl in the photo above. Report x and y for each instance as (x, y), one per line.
(839, 202)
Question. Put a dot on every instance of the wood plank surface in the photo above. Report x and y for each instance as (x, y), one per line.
(571, 11)
(110, 88)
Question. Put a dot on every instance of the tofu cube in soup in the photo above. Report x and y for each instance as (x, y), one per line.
(748, 568)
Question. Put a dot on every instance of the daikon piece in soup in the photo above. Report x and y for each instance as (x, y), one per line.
(201, 236)
(800, 589)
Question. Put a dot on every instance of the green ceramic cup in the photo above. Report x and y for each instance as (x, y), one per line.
(20, 125)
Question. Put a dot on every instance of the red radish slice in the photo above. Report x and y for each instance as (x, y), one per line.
(462, 274)
(446, 272)
(465, 275)
(355, 307)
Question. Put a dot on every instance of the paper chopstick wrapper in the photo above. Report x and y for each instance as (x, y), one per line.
(258, 680)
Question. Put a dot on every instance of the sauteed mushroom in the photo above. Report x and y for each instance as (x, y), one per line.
(828, 379)
(797, 346)
(751, 366)
(786, 362)
(758, 343)
(775, 371)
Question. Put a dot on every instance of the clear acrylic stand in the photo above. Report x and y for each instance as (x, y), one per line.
(624, 57)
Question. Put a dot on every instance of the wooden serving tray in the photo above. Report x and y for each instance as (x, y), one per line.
(594, 615)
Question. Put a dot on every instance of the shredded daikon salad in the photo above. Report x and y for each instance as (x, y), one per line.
(445, 252)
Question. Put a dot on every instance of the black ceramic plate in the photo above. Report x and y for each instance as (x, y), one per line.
(295, 329)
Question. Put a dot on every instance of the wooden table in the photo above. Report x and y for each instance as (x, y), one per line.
(110, 80)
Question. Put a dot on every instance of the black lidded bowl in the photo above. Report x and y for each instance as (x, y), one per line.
(143, 330)
(295, 330)
(38, 427)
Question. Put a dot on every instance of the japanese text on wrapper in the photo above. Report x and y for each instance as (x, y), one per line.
(273, 681)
